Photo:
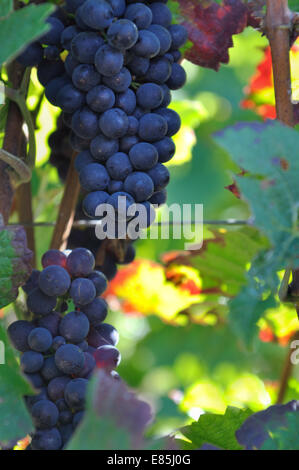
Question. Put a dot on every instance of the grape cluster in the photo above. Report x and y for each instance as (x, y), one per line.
(61, 348)
(106, 258)
(114, 90)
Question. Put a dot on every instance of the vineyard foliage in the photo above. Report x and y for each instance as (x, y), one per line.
(203, 335)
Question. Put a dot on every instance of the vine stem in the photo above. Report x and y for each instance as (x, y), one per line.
(278, 23)
(67, 208)
(12, 143)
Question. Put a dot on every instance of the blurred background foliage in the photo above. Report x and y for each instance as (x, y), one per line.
(189, 363)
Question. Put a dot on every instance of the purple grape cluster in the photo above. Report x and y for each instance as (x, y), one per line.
(60, 348)
(85, 235)
(114, 88)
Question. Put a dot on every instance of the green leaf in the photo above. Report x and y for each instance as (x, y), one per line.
(245, 311)
(14, 417)
(224, 259)
(286, 437)
(266, 151)
(15, 263)
(6, 7)
(114, 417)
(215, 429)
(20, 28)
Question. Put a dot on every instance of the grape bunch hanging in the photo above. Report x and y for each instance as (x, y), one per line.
(60, 348)
(106, 256)
(114, 88)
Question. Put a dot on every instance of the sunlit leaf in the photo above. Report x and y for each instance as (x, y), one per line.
(218, 430)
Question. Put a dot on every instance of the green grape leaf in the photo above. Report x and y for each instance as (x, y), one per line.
(15, 262)
(6, 7)
(115, 418)
(14, 417)
(285, 437)
(224, 259)
(28, 22)
(215, 429)
(266, 151)
(245, 311)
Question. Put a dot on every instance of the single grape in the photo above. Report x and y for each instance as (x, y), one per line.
(54, 281)
(80, 262)
(139, 185)
(40, 339)
(160, 176)
(97, 15)
(122, 34)
(85, 123)
(101, 147)
(50, 322)
(85, 45)
(75, 393)
(53, 257)
(119, 82)
(100, 98)
(47, 439)
(107, 357)
(140, 14)
(165, 148)
(177, 78)
(179, 35)
(143, 156)
(92, 201)
(119, 166)
(114, 123)
(172, 118)
(45, 414)
(149, 95)
(96, 311)
(85, 77)
(152, 127)
(100, 282)
(161, 14)
(147, 46)
(94, 177)
(126, 101)
(69, 359)
(49, 370)
(108, 334)
(31, 361)
(56, 386)
(108, 60)
(32, 282)
(164, 37)
(18, 333)
(74, 326)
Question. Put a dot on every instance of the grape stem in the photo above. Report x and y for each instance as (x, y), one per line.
(67, 209)
(278, 27)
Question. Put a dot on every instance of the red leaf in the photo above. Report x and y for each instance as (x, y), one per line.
(115, 401)
(211, 28)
